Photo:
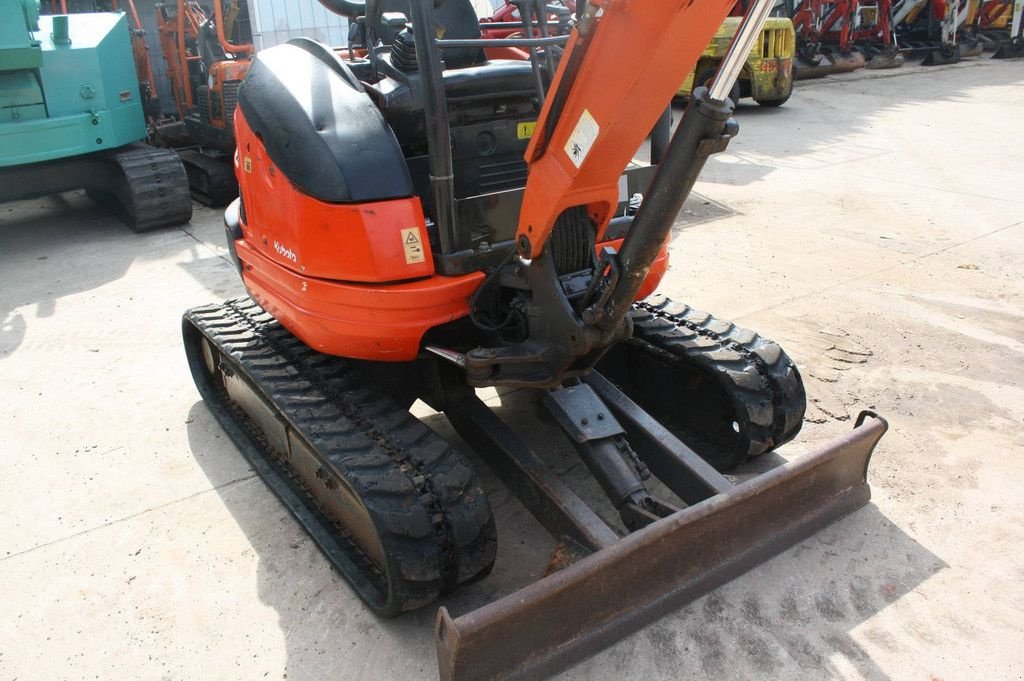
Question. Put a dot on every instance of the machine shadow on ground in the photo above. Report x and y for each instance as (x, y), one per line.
(791, 617)
(62, 245)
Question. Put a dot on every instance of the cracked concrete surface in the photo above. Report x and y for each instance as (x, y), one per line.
(877, 232)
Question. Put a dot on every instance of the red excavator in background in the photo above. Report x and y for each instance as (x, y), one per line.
(1006, 42)
(517, 18)
(207, 58)
(1014, 47)
(869, 28)
(837, 37)
(431, 219)
(815, 56)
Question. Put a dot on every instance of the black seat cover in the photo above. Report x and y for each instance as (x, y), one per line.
(496, 77)
(320, 127)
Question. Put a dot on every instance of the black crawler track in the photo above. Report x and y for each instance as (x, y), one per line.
(149, 189)
(344, 439)
(726, 391)
(210, 179)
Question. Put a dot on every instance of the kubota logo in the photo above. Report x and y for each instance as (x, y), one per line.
(285, 252)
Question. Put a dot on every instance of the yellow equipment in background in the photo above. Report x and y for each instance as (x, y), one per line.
(995, 14)
(768, 74)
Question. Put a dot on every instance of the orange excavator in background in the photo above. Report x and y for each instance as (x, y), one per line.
(207, 58)
(143, 63)
(429, 219)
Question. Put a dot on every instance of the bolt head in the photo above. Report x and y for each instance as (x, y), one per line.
(525, 248)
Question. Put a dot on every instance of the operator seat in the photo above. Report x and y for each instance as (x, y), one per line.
(469, 78)
(341, 135)
(455, 19)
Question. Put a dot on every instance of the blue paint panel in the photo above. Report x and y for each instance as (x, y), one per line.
(90, 90)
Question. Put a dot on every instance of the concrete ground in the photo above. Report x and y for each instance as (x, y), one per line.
(874, 226)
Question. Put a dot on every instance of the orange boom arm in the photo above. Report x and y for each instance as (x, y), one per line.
(637, 54)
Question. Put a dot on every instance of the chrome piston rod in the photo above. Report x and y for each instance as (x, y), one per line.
(736, 57)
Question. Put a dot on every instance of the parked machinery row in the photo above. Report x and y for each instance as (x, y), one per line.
(208, 50)
(835, 36)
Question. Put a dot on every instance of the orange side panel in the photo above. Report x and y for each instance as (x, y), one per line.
(365, 321)
(344, 277)
(639, 53)
(382, 322)
(360, 242)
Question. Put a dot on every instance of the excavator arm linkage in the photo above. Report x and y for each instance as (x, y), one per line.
(604, 102)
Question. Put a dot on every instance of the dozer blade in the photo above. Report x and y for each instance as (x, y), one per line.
(974, 48)
(945, 54)
(572, 614)
(844, 62)
(805, 69)
(886, 59)
(1009, 49)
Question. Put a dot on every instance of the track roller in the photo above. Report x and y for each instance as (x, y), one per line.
(394, 507)
(211, 179)
(147, 188)
(727, 392)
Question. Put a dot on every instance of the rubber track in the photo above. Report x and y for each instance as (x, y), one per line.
(429, 510)
(762, 383)
(211, 180)
(154, 190)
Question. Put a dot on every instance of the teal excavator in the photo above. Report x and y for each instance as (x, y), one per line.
(71, 117)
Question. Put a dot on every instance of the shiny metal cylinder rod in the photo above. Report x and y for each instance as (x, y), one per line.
(736, 57)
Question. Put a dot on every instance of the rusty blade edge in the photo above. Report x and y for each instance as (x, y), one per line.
(572, 614)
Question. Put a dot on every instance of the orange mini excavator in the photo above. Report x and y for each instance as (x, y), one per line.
(430, 219)
(207, 57)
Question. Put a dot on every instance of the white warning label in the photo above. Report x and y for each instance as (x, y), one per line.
(412, 245)
(582, 138)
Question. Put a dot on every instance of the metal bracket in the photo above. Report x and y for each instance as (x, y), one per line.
(714, 145)
(581, 413)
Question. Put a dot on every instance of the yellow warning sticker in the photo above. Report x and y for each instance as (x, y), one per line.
(412, 245)
(524, 131)
(247, 164)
